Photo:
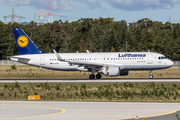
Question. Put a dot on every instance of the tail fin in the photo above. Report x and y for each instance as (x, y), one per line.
(24, 43)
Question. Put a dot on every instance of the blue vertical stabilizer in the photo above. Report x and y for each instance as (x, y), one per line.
(24, 43)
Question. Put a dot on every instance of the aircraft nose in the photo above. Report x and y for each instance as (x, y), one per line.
(171, 63)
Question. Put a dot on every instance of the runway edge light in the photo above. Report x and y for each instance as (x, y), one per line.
(34, 97)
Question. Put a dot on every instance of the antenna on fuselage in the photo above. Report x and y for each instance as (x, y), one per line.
(87, 51)
(126, 46)
(148, 51)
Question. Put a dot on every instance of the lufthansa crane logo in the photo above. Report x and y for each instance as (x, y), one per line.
(22, 41)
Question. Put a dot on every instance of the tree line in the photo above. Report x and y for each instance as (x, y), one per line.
(96, 35)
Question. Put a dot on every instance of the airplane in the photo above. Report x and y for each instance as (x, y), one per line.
(106, 63)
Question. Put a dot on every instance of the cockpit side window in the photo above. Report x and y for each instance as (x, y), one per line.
(163, 57)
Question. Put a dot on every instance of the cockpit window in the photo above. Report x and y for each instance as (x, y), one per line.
(163, 57)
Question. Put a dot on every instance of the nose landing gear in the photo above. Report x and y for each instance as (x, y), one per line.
(150, 74)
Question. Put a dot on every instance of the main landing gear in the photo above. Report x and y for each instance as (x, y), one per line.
(150, 74)
(92, 76)
(98, 76)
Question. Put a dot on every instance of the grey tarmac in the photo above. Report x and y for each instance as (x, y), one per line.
(138, 80)
(55, 110)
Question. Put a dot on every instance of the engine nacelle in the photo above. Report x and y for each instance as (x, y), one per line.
(114, 71)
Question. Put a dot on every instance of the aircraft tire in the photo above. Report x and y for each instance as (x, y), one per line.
(91, 76)
(98, 76)
(151, 76)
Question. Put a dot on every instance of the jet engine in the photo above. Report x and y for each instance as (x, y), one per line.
(114, 71)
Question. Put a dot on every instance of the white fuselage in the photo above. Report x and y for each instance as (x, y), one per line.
(124, 60)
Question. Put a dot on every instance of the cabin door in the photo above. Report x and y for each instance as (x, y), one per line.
(42, 60)
(149, 58)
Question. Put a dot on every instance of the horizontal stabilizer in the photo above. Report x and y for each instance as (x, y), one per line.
(25, 58)
(20, 59)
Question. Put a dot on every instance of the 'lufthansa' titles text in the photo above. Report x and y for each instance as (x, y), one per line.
(132, 55)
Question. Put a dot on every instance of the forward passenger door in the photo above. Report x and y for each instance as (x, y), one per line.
(150, 58)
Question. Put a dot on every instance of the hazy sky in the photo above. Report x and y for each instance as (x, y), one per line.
(72, 10)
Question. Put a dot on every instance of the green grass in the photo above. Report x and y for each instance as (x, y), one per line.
(30, 72)
(147, 92)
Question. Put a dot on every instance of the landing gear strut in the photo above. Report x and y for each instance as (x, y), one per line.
(98, 76)
(150, 74)
(91, 76)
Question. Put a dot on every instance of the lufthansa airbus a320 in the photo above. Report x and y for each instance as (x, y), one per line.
(109, 63)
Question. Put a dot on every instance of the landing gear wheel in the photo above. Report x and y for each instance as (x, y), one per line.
(91, 76)
(98, 76)
(151, 76)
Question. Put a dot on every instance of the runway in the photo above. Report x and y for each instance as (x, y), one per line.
(160, 80)
(44, 110)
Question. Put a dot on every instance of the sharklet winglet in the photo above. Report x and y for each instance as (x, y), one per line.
(58, 56)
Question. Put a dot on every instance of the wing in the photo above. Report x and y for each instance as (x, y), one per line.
(88, 64)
